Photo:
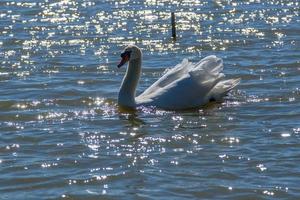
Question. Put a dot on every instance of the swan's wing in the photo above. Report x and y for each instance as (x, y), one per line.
(170, 76)
(207, 68)
(209, 72)
(188, 85)
(185, 92)
(203, 70)
(206, 74)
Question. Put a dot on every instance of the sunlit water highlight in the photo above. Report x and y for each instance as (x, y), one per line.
(63, 136)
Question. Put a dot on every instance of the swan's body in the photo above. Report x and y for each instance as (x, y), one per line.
(187, 85)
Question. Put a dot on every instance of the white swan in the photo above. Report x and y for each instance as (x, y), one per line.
(187, 85)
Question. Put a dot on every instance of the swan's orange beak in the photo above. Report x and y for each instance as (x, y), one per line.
(125, 58)
(123, 61)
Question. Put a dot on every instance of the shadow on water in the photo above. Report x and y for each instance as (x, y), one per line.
(201, 109)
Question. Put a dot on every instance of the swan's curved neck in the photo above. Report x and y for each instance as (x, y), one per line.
(127, 91)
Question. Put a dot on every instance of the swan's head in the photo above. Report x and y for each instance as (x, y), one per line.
(131, 52)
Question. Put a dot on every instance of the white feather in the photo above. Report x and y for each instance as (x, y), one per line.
(188, 85)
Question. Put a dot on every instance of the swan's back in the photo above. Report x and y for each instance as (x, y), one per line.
(189, 85)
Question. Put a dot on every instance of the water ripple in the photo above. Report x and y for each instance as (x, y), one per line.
(63, 135)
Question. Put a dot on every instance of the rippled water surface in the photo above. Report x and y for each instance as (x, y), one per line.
(63, 135)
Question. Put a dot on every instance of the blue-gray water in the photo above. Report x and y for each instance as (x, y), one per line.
(63, 136)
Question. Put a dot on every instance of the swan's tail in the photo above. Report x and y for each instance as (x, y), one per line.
(231, 83)
(222, 88)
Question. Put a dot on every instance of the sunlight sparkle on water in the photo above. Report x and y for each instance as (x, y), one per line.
(64, 136)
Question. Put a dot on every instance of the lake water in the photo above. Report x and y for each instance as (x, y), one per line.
(63, 136)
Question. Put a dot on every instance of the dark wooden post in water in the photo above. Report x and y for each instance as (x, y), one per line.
(173, 25)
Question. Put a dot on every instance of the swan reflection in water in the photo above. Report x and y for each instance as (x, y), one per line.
(131, 115)
(154, 117)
